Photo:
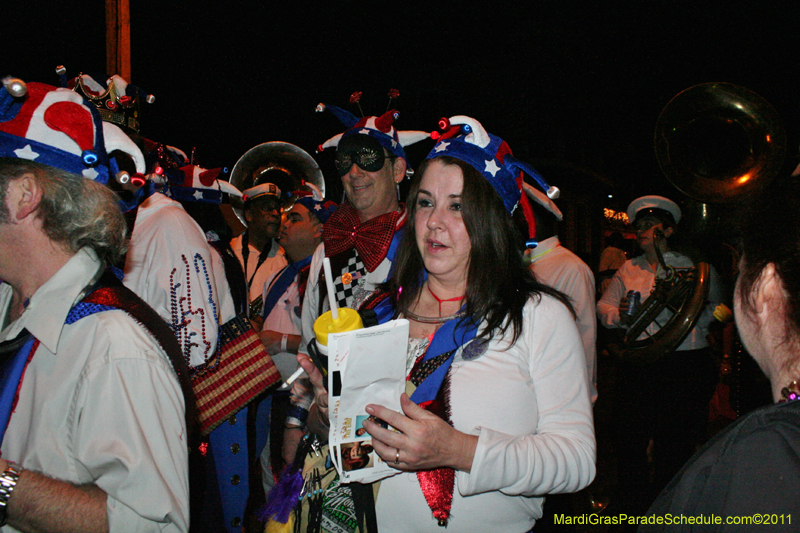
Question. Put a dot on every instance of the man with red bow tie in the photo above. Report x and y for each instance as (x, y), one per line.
(360, 238)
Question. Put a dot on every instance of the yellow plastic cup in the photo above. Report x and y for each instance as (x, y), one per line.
(325, 325)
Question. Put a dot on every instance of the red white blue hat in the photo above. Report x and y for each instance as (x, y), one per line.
(379, 128)
(201, 185)
(314, 202)
(537, 196)
(465, 138)
(57, 127)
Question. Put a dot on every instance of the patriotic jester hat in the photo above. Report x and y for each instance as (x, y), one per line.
(117, 100)
(56, 127)
(202, 185)
(465, 138)
(379, 128)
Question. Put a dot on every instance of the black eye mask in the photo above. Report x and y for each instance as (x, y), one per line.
(361, 150)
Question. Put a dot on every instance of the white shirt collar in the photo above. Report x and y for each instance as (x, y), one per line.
(48, 308)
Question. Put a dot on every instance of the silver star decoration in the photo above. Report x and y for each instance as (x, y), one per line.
(90, 173)
(365, 131)
(317, 207)
(491, 167)
(442, 146)
(26, 153)
(198, 195)
(394, 143)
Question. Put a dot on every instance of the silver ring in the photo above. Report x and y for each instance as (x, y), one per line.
(397, 458)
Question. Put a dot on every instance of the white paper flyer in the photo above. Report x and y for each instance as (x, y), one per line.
(365, 366)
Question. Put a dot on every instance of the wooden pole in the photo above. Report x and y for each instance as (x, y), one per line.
(118, 38)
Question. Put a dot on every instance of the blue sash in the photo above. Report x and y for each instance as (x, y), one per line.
(451, 336)
(281, 283)
(396, 238)
(10, 376)
(448, 338)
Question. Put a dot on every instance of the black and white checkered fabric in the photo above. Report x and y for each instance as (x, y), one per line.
(344, 293)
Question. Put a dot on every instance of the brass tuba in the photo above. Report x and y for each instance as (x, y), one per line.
(716, 142)
(295, 167)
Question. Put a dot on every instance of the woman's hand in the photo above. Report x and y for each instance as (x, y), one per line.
(425, 441)
(318, 413)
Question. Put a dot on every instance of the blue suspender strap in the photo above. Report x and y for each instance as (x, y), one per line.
(10, 377)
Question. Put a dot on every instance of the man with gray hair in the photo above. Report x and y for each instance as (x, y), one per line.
(92, 390)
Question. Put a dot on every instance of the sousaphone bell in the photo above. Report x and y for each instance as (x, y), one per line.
(288, 166)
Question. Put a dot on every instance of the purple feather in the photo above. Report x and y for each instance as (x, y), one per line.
(284, 495)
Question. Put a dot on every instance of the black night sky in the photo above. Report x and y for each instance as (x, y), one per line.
(567, 84)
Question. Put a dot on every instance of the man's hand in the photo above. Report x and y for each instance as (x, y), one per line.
(273, 342)
(40, 503)
(318, 414)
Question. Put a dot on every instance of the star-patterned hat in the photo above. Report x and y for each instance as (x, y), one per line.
(56, 127)
(379, 128)
(202, 185)
(314, 202)
(465, 138)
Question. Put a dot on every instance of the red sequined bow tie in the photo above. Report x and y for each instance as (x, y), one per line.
(372, 239)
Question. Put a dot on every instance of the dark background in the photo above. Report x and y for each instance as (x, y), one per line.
(575, 85)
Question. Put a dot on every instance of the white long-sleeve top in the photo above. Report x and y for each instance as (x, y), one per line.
(529, 405)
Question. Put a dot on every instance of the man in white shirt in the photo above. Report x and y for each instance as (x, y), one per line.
(168, 263)
(560, 268)
(91, 405)
(301, 233)
(257, 249)
(665, 400)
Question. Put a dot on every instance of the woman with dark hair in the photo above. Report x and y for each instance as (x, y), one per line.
(750, 470)
(500, 413)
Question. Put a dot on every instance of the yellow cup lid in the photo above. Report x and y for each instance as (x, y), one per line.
(348, 320)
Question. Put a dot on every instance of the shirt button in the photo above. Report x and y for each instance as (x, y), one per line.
(236, 522)
(235, 479)
(232, 420)
(235, 448)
